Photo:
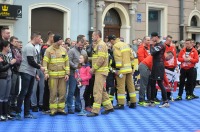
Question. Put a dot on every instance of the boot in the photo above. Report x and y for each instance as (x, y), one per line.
(119, 107)
(132, 105)
(6, 111)
(2, 118)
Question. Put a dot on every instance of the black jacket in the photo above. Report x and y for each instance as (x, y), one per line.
(4, 67)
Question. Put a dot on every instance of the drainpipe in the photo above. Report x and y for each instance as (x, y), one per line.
(91, 19)
(181, 19)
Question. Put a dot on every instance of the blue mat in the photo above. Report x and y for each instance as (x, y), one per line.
(182, 116)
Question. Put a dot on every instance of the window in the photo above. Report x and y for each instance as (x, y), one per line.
(194, 21)
(154, 21)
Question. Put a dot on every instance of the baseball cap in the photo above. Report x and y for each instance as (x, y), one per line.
(155, 34)
(111, 37)
(56, 38)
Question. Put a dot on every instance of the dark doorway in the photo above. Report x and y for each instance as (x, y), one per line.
(112, 23)
(47, 19)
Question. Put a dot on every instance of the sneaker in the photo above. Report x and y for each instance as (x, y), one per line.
(34, 109)
(189, 97)
(70, 112)
(119, 107)
(178, 98)
(9, 117)
(77, 110)
(92, 114)
(164, 105)
(195, 96)
(30, 116)
(142, 103)
(82, 113)
(18, 116)
(132, 105)
(2, 118)
(40, 107)
(89, 109)
(107, 111)
(157, 101)
(46, 112)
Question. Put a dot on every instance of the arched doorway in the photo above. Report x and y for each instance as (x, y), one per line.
(46, 19)
(193, 28)
(123, 17)
(112, 23)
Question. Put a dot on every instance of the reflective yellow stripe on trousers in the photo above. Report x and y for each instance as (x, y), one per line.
(106, 102)
(59, 73)
(95, 105)
(132, 95)
(121, 96)
(61, 105)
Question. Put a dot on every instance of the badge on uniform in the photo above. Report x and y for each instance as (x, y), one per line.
(53, 56)
(99, 47)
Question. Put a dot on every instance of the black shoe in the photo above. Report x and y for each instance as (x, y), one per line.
(77, 110)
(107, 111)
(62, 112)
(40, 108)
(119, 107)
(157, 100)
(34, 109)
(178, 98)
(195, 96)
(189, 97)
(132, 105)
(92, 114)
(30, 116)
(70, 112)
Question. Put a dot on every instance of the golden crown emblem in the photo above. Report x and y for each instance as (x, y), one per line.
(4, 8)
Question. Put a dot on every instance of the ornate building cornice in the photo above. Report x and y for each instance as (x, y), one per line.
(123, 1)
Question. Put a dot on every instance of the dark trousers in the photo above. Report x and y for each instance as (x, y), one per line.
(189, 75)
(46, 97)
(14, 89)
(25, 93)
(153, 89)
(88, 95)
(195, 79)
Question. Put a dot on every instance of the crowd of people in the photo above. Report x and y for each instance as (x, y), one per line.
(58, 75)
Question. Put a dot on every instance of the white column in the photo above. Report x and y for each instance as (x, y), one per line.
(132, 10)
(99, 8)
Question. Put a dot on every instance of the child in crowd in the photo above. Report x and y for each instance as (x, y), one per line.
(83, 76)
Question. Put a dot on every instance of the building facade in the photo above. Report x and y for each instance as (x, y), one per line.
(129, 19)
(138, 18)
(65, 17)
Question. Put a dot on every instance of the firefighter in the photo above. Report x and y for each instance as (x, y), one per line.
(57, 70)
(124, 65)
(100, 69)
(110, 80)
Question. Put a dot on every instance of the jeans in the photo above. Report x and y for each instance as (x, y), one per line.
(25, 93)
(34, 101)
(73, 91)
(144, 79)
(82, 91)
(14, 88)
(5, 89)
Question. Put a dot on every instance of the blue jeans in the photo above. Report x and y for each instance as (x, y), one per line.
(34, 100)
(73, 91)
(25, 93)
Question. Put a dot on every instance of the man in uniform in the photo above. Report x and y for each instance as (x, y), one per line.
(124, 65)
(100, 69)
(57, 70)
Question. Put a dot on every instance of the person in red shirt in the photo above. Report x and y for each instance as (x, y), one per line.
(188, 57)
(144, 49)
(172, 63)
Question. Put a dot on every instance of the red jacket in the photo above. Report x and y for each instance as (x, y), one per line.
(149, 63)
(172, 63)
(84, 74)
(194, 58)
(143, 52)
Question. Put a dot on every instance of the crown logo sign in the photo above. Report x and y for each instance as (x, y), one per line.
(4, 8)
